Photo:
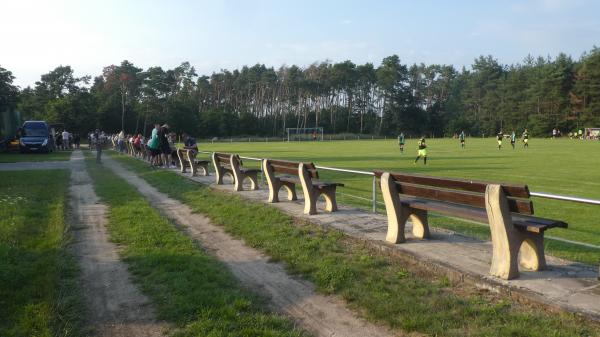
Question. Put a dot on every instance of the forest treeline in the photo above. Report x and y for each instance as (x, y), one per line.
(538, 93)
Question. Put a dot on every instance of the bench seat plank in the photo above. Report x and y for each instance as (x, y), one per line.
(525, 222)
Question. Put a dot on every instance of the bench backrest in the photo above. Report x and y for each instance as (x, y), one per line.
(223, 158)
(459, 191)
(291, 167)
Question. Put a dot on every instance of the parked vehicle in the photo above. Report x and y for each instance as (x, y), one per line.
(36, 136)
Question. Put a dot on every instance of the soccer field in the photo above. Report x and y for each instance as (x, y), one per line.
(561, 166)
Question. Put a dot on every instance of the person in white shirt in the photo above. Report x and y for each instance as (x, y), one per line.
(65, 136)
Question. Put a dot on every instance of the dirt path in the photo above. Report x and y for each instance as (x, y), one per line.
(116, 307)
(322, 316)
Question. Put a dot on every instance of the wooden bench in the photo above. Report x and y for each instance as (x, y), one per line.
(283, 173)
(187, 158)
(506, 207)
(232, 165)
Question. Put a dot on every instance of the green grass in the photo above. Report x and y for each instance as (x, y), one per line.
(28, 157)
(555, 166)
(189, 288)
(377, 286)
(39, 295)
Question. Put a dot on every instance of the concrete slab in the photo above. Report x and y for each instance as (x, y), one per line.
(566, 285)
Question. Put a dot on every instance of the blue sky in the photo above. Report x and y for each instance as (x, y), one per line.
(37, 36)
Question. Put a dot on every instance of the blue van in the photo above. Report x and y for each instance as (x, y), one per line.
(36, 136)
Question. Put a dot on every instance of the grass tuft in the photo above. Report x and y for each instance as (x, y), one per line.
(39, 293)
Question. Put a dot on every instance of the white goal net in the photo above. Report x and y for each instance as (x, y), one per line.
(303, 134)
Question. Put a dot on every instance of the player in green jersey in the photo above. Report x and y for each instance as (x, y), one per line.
(499, 138)
(513, 139)
(401, 142)
(422, 151)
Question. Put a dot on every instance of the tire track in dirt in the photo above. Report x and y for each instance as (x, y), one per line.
(318, 314)
(115, 306)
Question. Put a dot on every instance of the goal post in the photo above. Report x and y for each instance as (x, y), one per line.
(302, 134)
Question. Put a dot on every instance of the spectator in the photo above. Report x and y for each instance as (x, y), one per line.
(189, 143)
(59, 141)
(65, 139)
(121, 141)
(137, 144)
(154, 146)
(164, 146)
(76, 140)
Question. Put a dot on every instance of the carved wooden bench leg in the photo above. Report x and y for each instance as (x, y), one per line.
(272, 182)
(330, 200)
(310, 193)
(204, 168)
(420, 225)
(181, 161)
(310, 203)
(230, 174)
(397, 213)
(192, 163)
(291, 190)
(506, 240)
(253, 177)
(532, 252)
(218, 170)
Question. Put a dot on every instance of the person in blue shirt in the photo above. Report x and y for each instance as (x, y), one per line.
(461, 137)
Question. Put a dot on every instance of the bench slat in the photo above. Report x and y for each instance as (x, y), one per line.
(528, 223)
(460, 197)
(291, 167)
(511, 190)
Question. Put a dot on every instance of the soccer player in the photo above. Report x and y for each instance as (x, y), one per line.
(401, 142)
(461, 137)
(499, 138)
(525, 139)
(422, 151)
(513, 139)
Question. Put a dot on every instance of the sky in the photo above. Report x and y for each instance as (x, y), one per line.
(38, 36)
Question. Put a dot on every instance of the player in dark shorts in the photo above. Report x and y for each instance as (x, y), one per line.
(461, 137)
(401, 142)
(499, 138)
(513, 139)
(525, 139)
(422, 151)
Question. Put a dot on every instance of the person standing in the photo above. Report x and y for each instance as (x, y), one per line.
(98, 144)
(121, 141)
(461, 137)
(76, 140)
(525, 139)
(164, 146)
(513, 139)
(401, 142)
(153, 146)
(65, 139)
(422, 151)
(499, 138)
(59, 141)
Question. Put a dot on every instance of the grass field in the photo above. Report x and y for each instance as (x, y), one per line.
(562, 166)
(380, 288)
(19, 157)
(39, 295)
